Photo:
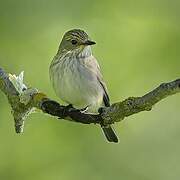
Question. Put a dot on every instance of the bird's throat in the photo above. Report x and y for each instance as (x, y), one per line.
(84, 52)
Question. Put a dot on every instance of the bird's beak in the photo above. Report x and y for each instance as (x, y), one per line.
(88, 42)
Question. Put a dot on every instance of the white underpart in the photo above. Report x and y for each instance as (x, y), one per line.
(75, 80)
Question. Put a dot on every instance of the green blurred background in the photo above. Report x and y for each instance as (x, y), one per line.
(138, 47)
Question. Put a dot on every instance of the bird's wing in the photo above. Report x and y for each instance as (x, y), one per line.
(106, 99)
(93, 66)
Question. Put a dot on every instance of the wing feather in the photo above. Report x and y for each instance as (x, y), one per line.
(93, 66)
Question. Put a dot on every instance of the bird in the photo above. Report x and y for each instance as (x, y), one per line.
(76, 76)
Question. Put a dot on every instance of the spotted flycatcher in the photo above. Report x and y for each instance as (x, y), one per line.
(76, 77)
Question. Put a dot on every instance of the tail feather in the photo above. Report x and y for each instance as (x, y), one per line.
(110, 134)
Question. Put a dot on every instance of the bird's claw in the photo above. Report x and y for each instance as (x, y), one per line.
(70, 109)
(66, 110)
(84, 110)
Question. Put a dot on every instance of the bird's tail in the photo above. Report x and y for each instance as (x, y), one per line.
(109, 133)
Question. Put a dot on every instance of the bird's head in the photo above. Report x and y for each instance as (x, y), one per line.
(75, 40)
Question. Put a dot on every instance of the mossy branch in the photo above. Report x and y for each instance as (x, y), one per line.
(25, 100)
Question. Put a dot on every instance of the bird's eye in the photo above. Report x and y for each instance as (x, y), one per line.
(73, 41)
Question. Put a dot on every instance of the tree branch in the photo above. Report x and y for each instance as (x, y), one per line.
(25, 100)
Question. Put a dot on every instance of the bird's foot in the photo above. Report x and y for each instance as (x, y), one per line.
(69, 109)
(66, 110)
